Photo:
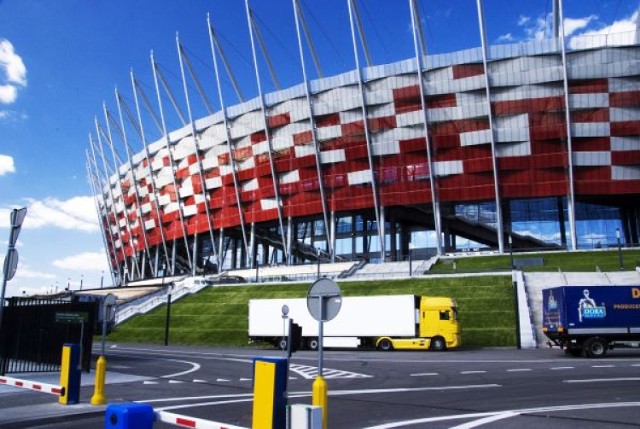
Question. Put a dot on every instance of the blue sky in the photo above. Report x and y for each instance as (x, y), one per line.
(60, 59)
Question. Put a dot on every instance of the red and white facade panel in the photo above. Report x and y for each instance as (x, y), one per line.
(530, 134)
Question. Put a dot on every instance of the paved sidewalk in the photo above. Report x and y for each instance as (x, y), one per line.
(23, 408)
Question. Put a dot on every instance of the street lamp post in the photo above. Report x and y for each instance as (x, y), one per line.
(619, 249)
(318, 263)
(511, 250)
(81, 278)
(410, 261)
(168, 316)
(102, 279)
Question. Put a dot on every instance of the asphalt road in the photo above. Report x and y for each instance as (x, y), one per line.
(487, 388)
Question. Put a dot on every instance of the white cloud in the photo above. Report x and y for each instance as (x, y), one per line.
(77, 213)
(13, 73)
(86, 261)
(506, 38)
(622, 32)
(6, 165)
(523, 20)
(25, 272)
(572, 25)
(8, 94)
(12, 64)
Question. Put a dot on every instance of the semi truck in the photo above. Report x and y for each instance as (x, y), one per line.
(402, 322)
(589, 321)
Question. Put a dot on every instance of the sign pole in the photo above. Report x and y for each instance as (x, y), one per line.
(11, 260)
(320, 334)
(329, 300)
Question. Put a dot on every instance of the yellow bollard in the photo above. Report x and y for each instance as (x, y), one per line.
(319, 397)
(98, 397)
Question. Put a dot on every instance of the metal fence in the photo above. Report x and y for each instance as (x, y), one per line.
(34, 331)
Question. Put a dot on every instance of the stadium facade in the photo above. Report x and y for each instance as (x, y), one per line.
(533, 145)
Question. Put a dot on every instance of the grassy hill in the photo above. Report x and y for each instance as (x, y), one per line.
(218, 315)
(583, 261)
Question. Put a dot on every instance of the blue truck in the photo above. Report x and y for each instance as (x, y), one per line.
(590, 320)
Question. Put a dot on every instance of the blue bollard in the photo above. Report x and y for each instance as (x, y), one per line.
(129, 415)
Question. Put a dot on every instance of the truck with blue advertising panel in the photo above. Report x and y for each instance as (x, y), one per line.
(589, 320)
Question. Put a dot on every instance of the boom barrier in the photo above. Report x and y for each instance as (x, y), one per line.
(32, 385)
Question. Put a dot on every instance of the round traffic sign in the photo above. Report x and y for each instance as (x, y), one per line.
(10, 264)
(324, 299)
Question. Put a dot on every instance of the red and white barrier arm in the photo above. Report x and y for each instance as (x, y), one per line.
(32, 385)
(191, 422)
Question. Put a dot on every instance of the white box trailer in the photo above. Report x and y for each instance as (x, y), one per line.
(386, 322)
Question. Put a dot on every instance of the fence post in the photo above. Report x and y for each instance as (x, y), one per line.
(70, 371)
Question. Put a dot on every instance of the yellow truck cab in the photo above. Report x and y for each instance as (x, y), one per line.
(437, 327)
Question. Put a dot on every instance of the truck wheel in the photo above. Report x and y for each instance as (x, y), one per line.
(595, 347)
(438, 344)
(385, 345)
(312, 344)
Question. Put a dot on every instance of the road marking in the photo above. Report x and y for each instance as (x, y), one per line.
(200, 381)
(559, 368)
(248, 397)
(245, 379)
(222, 380)
(149, 382)
(603, 366)
(424, 374)
(310, 372)
(635, 364)
(175, 382)
(119, 367)
(484, 421)
(194, 367)
(506, 413)
(472, 372)
(602, 380)
(519, 370)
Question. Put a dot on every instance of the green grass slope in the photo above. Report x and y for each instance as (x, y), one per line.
(605, 260)
(219, 315)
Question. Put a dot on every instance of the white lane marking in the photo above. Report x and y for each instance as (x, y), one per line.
(246, 397)
(199, 381)
(410, 389)
(485, 420)
(245, 379)
(194, 367)
(519, 370)
(149, 382)
(514, 412)
(560, 368)
(310, 372)
(191, 398)
(635, 364)
(603, 366)
(473, 372)
(119, 367)
(424, 374)
(175, 382)
(222, 380)
(602, 380)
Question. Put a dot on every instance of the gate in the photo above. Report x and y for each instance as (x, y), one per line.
(34, 331)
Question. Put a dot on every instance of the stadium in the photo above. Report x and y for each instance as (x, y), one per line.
(508, 147)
